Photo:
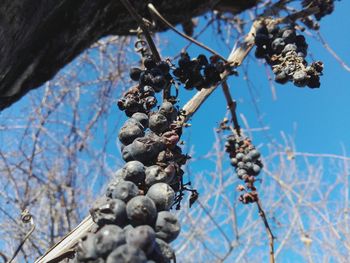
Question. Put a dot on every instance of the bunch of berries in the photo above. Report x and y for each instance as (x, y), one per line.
(326, 7)
(199, 73)
(133, 219)
(151, 80)
(285, 52)
(245, 158)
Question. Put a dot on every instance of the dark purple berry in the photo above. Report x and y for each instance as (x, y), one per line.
(144, 149)
(239, 156)
(158, 123)
(167, 226)
(262, 40)
(108, 211)
(108, 238)
(134, 171)
(289, 36)
(128, 133)
(156, 174)
(254, 154)
(277, 45)
(149, 62)
(141, 210)
(135, 74)
(149, 102)
(141, 118)
(162, 195)
(202, 60)
(127, 254)
(86, 249)
(142, 237)
(289, 48)
(300, 78)
(168, 110)
(256, 169)
(158, 83)
(234, 161)
(281, 77)
(124, 190)
(162, 252)
(164, 67)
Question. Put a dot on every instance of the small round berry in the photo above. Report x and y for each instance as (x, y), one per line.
(167, 226)
(135, 73)
(126, 253)
(162, 195)
(158, 123)
(149, 62)
(141, 210)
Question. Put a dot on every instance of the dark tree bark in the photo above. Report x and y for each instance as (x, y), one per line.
(38, 38)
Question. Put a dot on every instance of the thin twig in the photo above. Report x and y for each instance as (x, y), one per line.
(231, 104)
(3, 256)
(160, 17)
(332, 52)
(205, 27)
(215, 223)
(275, 8)
(297, 15)
(268, 231)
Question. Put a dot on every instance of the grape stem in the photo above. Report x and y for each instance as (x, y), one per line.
(268, 231)
(154, 11)
(152, 46)
(144, 28)
(231, 105)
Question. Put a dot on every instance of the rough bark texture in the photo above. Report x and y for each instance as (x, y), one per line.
(37, 38)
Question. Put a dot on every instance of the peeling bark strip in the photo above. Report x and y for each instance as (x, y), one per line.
(38, 38)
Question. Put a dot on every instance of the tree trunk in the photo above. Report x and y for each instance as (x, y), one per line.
(38, 38)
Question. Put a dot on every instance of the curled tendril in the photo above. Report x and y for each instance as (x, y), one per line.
(26, 217)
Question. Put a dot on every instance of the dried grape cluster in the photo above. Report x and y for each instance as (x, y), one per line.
(285, 51)
(326, 7)
(133, 220)
(196, 73)
(151, 80)
(246, 160)
(199, 73)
